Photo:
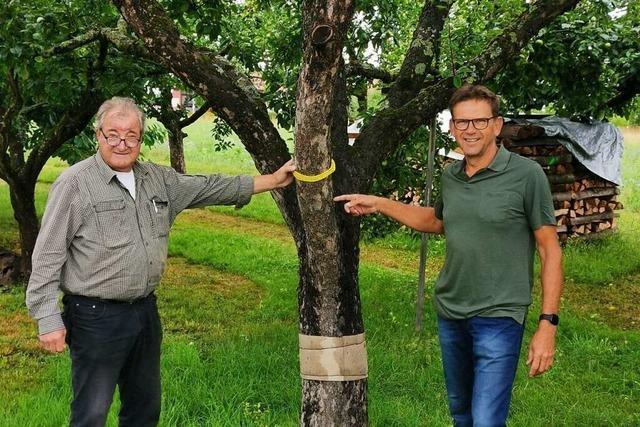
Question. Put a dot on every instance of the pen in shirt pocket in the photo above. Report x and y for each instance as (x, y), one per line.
(157, 202)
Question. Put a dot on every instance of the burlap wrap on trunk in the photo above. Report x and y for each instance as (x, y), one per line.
(333, 358)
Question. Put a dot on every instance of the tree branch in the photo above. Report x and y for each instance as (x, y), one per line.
(74, 43)
(626, 91)
(196, 115)
(422, 56)
(501, 50)
(362, 69)
(116, 36)
(15, 149)
(232, 95)
(74, 120)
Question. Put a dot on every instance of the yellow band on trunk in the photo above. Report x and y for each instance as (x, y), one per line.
(315, 178)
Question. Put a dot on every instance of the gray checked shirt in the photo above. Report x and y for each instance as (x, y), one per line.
(97, 241)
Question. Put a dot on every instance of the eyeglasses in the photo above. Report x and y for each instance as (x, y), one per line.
(479, 124)
(115, 140)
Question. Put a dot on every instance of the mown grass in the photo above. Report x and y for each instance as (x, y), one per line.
(229, 307)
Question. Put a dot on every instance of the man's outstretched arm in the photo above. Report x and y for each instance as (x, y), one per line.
(419, 218)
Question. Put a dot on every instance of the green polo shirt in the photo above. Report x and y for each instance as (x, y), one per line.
(488, 223)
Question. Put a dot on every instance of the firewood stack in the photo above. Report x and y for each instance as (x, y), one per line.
(585, 204)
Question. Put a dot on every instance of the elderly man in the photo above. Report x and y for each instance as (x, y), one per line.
(495, 207)
(103, 243)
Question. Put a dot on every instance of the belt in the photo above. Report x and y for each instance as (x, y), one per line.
(110, 301)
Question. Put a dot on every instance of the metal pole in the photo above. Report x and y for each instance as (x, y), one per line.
(424, 241)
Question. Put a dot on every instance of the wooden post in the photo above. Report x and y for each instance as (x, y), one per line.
(424, 241)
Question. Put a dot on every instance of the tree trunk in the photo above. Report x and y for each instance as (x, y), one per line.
(328, 296)
(176, 149)
(24, 212)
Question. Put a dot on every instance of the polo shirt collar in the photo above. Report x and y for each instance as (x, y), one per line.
(499, 162)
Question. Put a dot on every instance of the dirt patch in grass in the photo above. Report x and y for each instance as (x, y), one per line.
(614, 304)
(196, 300)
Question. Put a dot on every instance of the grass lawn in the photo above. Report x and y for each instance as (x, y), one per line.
(229, 307)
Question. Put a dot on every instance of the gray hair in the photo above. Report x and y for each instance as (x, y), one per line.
(120, 104)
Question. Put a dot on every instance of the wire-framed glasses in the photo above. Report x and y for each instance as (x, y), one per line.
(114, 140)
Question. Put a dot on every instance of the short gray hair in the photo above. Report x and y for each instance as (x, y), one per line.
(121, 104)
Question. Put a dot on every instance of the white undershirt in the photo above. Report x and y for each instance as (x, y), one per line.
(128, 181)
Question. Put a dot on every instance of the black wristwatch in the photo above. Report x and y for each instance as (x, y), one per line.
(551, 318)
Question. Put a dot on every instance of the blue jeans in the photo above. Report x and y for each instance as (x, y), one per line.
(480, 357)
(114, 344)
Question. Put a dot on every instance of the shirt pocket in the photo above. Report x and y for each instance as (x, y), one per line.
(500, 206)
(112, 223)
(159, 211)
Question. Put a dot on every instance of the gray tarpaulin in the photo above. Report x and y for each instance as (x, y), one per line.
(598, 145)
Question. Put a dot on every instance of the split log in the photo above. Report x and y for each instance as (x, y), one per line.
(534, 142)
(561, 179)
(604, 226)
(579, 195)
(593, 218)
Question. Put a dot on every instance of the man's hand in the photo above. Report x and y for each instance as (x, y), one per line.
(53, 341)
(280, 178)
(284, 175)
(541, 349)
(358, 204)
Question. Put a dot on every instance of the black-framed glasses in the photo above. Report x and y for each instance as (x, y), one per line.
(479, 124)
(115, 140)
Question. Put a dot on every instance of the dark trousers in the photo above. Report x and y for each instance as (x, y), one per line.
(480, 358)
(114, 344)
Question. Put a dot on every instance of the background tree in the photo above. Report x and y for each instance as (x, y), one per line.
(40, 109)
(173, 119)
(58, 62)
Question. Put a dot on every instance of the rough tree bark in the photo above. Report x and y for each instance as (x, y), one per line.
(326, 239)
(328, 298)
(22, 195)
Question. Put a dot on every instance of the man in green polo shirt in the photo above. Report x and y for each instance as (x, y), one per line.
(496, 207)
